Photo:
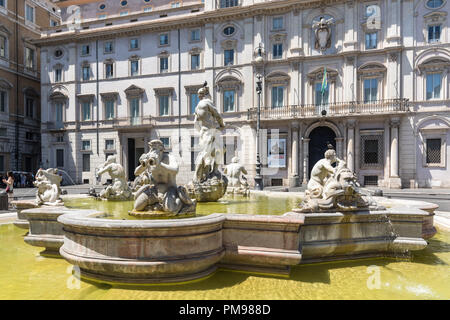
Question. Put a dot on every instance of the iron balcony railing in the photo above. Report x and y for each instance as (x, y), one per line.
(331, 109)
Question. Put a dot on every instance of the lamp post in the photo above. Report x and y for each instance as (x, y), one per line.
(258, 178)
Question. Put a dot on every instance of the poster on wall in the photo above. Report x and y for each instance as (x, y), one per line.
(276, 153)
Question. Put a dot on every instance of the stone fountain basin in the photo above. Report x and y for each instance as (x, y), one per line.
(178, 250)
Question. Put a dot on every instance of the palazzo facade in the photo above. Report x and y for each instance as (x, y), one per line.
(117, 74)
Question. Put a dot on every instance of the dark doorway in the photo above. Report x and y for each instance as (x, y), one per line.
(320, 137)
(131, 158)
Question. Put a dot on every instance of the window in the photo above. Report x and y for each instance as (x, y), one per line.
(163, 64)
(434, 4)
(175, 4)
(59, 112)
(134, 110)
(134, 44)
(163, 105)
(86, 145)
(29, 58)
(434, 33)
(102, 16)
(123, 3)
(109, 109)
(370, 90)
(85, 50)
(3, 101)
(3, 132)
(228, 100)
(29, 107)
(2, 46)
(195, 61)
(86, 162)
(109, 70)
(109, 144)
(29, 13)
(86, 111)
(2, 4)
(194, 152)
(195, 35)
(134, 65)
(58, 75)
(60, 157)
(433, 86)
(58, 53)
(433, 151)
(321, 97)
(123, 13)
(147, 9)
(102, 6)
(229, 3)
(60, 138)
(108, 47)
(277, 51)
(229, 57)
(277, 96)
(228, 31)
(371, 40)
(371, 151)
(194, 100)
(86, 73)
(53, 23)
(166, 142)
(164, 39)
(277, 23)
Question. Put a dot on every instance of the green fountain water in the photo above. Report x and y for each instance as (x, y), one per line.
(24, 274)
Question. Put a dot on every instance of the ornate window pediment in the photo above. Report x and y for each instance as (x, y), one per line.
(5, 31)
(278, 37)
(134, 90)
(434, 65)
(372, 70)
(31, 92)
(164, 91)
(5, 84)
(109, 95)
(277, 78)
(193, 88)
(59, 93)
(435, 17)
(195, 50)
(134, 57)
(229, 82)
(318, 75)
(229, 44)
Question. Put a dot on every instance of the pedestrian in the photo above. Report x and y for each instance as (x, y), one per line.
(9, 185)
(23, 179)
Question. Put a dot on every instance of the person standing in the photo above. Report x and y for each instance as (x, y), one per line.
(9, 185)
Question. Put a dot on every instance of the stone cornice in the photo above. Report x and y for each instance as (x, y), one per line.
(187, 21)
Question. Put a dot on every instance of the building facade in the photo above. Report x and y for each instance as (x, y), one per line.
(369, 78)
(20, 105)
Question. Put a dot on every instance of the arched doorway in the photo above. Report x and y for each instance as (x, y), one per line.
(320, 137)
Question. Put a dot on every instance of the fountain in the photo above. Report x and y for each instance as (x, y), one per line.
(160, 196)
(118, 190)
(209, 184)
(237, 181)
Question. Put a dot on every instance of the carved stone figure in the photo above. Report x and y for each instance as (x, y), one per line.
(119, 189)
(161, 195)
(48, 187)
(209, 184)
(333, 189)
(237, 181)
(323, 33)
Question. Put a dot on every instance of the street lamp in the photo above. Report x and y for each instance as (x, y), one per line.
(258, 178)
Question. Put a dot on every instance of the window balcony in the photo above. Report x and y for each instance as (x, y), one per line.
(133, 122)
(353, 108)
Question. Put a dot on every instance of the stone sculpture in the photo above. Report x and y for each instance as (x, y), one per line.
(237, 181)
(160, 196)
(332, 189)
(48, 187)
(118, 190)
(209, 184)
(322, 33)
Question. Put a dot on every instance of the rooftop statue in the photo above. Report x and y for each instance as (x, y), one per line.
(332, 189)
(237, 181)
(160, 195)
(209, 184)
(119, 189)
(48, 187)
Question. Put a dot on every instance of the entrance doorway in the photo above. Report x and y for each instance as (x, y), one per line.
(320, 138)
(135, 150)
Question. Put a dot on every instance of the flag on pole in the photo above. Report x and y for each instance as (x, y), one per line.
(324, 81)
